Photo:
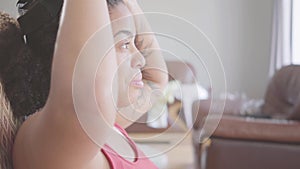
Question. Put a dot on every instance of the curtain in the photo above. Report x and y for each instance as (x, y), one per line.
(281, 49)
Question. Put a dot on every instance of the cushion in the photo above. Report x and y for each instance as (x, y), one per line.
(282, 95)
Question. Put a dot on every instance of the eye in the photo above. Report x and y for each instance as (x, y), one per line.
(125, 45)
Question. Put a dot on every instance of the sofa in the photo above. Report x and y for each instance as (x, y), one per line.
(266, 139)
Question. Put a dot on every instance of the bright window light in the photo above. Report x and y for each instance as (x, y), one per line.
(296, 32)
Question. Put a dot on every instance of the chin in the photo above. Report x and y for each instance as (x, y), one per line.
(130, 97)
(134, 94)
(127, 101)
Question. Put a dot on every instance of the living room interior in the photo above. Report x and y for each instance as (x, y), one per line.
(233, 99)
(254, 123)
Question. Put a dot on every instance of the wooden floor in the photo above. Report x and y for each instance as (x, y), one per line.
(167, 150)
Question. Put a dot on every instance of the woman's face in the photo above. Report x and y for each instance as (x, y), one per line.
(130, 60)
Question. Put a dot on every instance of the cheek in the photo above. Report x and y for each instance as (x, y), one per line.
(122, 57)
(124, 76)
(124, 68)
(127, 93)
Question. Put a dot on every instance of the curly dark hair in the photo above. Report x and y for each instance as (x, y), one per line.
(25, 68)
(25, 71)
(14, 84)
(16, 63)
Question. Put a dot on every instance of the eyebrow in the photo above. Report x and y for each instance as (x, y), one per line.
(126, 32)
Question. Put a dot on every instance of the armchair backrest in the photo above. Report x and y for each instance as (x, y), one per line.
(283, 93)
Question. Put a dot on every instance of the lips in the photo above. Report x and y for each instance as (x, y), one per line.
(138, 81)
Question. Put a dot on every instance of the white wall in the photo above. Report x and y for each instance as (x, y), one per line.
(239, 29)
(9, 6)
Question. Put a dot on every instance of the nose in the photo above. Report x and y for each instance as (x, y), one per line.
(138, 60)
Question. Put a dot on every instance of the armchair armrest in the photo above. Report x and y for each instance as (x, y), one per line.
(258, 129)
(233, 125)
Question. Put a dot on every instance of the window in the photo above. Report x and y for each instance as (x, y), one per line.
(296, 32)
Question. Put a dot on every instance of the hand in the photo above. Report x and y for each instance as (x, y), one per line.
(130, 3)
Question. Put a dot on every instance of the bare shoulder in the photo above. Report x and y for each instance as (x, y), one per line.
(53, 141)
(21, 152)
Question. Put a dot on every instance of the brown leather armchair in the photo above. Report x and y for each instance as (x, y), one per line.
(251, 142)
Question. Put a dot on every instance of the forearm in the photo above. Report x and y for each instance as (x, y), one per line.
(155, 69)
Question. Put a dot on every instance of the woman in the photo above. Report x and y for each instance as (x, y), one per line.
(53, 137)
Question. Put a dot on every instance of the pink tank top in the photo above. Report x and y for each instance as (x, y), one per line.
(116, 161)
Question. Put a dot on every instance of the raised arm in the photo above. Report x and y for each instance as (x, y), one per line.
(61, 135)
(155, 74)
(155, 69)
